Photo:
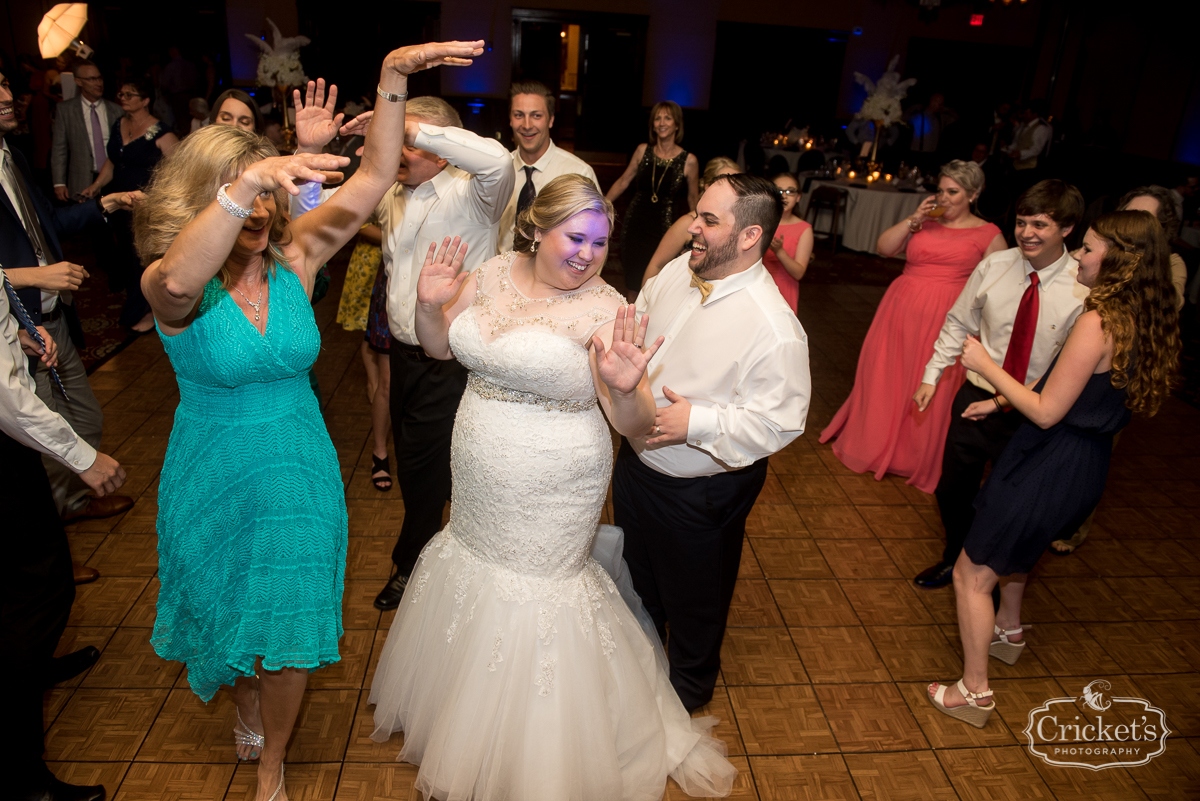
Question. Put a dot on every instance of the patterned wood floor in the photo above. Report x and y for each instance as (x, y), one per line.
(829, 649)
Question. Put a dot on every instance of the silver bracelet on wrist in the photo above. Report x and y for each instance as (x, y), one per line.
(388, 96)
(230, 206)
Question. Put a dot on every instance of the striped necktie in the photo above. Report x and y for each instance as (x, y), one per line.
(31, 329)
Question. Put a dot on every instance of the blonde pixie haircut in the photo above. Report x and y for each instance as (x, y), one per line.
(966, 174)
(713, 168)
(186, 182)
(559, 201)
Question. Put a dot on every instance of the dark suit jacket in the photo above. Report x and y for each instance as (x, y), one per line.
(17, 251)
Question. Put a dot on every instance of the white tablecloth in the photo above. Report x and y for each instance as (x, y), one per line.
(869, 212)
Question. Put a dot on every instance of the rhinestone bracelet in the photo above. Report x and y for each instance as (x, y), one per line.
(230, 206)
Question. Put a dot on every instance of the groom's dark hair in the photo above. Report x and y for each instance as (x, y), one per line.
(758, 203)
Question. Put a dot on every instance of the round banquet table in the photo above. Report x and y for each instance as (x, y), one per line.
(870, 210)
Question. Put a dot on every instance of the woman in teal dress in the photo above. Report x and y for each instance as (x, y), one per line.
(252, 515)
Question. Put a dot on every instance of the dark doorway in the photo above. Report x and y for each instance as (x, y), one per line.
(594, 63)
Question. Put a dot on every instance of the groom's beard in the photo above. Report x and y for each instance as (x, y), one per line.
(716, 257)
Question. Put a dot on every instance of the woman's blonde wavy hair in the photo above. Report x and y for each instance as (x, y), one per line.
(557, 202)
(186, 182)
(1136, 301)
(713, 169)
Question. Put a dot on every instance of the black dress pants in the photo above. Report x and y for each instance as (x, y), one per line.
(36, 591)
(683, 545)
(970, 445)
(424, 401)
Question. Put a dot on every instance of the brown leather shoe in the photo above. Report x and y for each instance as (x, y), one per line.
(107, 506)
(85, 574)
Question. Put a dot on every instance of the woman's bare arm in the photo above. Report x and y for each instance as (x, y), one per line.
(618, 189)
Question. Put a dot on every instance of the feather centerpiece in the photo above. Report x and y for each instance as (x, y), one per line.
(883, 98)
(279, 63)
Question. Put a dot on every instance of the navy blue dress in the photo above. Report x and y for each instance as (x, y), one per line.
(1047, 481)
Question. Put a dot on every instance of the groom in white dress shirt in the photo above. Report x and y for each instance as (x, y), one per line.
(732, 385)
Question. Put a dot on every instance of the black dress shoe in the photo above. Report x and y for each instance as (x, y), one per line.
(939, 575)
(65, 668)
(51, 789)
(389, 598)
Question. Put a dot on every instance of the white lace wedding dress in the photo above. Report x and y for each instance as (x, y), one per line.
(515, 665)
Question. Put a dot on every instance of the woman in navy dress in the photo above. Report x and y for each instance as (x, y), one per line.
(1118, 359)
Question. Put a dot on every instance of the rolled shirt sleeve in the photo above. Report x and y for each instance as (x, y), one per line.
(769, 414)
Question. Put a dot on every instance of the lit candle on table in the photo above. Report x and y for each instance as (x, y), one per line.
(850, 175)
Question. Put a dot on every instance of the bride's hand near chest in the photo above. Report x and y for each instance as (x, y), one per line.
(619, 370)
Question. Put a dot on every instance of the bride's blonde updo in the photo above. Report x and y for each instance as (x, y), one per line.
(557, 202)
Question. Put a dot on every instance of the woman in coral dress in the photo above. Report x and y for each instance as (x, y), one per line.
(879, 428)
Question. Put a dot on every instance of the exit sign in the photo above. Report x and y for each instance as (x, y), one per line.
(976, 19)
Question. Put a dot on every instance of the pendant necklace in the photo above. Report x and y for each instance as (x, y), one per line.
(254, 304)
(653, 171)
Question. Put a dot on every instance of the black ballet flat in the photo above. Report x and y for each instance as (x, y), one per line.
(382, 483)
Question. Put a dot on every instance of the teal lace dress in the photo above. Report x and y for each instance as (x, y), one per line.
(252, 513)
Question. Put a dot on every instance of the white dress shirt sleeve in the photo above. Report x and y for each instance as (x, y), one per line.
(769, 414)
(963, 320)
(485, 159)
(23, 416)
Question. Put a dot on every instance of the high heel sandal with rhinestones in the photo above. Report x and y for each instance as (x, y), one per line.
(971, 712)
(244, 735)
(1004, 649)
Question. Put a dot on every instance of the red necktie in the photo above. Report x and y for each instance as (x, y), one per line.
(1016, 359)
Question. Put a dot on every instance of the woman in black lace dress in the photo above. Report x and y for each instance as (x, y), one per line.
(667, 186)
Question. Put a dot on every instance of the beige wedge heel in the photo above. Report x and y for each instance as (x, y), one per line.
(1004, 649)
(972, 712)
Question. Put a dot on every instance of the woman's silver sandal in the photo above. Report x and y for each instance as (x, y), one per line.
(1004, 649)
(244, 735)
(971, 712)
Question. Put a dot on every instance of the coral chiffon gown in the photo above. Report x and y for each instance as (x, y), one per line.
(878, 428)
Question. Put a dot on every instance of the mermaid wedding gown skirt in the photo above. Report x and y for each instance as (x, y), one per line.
(515, 665)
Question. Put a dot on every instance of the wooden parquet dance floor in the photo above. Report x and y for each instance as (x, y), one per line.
(829, 648)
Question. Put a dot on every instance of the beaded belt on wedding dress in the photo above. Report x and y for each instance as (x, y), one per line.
(486, 389)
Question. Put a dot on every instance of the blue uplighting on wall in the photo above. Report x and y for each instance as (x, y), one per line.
(1187, 148)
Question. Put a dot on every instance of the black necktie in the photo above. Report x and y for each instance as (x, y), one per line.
(33, 226)
(31, 329)
(528, 192)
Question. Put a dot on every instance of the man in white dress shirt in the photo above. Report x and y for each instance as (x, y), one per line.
(451, 183)
(990, 307)
(81, 127)
(35, 574)
(732, 385)
(537, 160)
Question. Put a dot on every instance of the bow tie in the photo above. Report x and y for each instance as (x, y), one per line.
(704, 286)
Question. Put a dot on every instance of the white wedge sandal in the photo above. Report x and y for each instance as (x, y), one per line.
(971, 712)
(1004, 649)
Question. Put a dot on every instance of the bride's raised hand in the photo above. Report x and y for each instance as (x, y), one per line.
(621, 367)
(414, 58)
(441, 274)
(287, 172)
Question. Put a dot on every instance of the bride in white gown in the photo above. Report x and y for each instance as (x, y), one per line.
(515, 665)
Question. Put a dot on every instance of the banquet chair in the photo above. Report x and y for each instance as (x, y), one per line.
(833, 200)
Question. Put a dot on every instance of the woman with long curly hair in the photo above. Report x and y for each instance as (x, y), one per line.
(1120, 358)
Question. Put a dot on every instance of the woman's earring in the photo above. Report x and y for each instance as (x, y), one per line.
(533, 248)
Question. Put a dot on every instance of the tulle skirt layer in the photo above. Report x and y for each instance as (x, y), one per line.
(509, 686)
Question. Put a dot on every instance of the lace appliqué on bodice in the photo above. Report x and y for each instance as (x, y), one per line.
(500, 307)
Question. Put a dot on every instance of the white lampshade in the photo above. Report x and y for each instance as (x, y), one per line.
(60, 27)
